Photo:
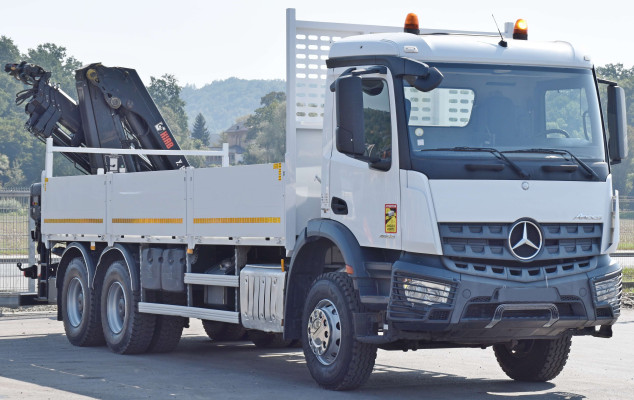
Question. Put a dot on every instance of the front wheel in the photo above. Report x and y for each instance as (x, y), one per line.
(533, 360)
(334, 358)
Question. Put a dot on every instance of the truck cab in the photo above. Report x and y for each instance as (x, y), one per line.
(466, 189)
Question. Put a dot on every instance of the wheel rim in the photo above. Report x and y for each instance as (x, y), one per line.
(75, 302)
(116, 307)
(324, 332)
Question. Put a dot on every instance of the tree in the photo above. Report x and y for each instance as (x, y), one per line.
(267, 130)
(222, 101)
(53, 58)
(166, 94)
(200, 130)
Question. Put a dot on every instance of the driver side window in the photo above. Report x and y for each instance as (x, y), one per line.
(377, 120)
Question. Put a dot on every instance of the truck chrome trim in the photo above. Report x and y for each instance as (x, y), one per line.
(262, 297)
(212, 280)
(231, 317)
(499, 312)
(324, 336)
(530, 240)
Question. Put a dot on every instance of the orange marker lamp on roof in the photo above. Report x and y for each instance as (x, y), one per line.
(521, 30)
(411, 24)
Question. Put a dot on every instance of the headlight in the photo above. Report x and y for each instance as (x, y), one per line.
(426, 292)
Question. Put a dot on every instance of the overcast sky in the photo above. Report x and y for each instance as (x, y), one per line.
(203, 41)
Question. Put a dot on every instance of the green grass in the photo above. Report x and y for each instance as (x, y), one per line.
(626, 241)
(628, 274)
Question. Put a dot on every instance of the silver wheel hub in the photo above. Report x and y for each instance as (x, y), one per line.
(324, 332)
(75, 302)
(116, 307)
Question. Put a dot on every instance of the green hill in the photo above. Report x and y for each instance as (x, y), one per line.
(221, 102)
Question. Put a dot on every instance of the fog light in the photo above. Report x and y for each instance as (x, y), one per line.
(421, 291)
(608, 291)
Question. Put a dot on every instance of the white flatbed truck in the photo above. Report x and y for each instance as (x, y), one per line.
(440, 189)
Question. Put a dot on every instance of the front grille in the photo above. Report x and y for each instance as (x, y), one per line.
(490, 241)
(416, 298)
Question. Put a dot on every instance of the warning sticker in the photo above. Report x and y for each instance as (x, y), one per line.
(390, 218)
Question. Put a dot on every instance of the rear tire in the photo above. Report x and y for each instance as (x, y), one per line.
(334, 358)
(167, 333)
(80, 307)
(126, 330)
(534, 360)
(223, 331)
(168, 329)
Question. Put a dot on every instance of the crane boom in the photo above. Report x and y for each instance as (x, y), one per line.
(114, 110)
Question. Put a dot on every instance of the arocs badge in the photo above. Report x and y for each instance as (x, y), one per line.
(390, 218)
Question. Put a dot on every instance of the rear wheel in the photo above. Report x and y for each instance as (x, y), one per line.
(80, 307)
(167, 333)
(334, 358)
(168, 329)
(126, 330)
(223, 331)
(533, 360)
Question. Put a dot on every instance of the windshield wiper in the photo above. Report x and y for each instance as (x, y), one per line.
(563, 153)
(497, 153)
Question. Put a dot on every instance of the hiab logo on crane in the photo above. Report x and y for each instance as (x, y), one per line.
(165, 136)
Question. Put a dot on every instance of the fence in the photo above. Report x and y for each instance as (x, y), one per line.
(14, 240)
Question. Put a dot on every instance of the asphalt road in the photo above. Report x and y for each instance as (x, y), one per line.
(37, 362)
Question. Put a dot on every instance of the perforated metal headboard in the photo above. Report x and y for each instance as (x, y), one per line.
(307, 47)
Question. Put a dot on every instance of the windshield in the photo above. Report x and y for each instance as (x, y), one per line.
(506, 108)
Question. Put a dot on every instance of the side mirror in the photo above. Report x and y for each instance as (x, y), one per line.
(350, 133)
(430, 82)
(617, 124)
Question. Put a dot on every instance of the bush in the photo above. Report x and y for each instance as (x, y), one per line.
(12, 206)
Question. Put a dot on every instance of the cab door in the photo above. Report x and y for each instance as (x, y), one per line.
(364, 189)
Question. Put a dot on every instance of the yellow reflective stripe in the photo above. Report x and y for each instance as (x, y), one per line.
(278, 167)
(147, 220)
(253, 220)
(73, 221)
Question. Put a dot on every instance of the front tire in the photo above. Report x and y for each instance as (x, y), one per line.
(126, 330)
(534, 360)
(80, 307)
(334, 358)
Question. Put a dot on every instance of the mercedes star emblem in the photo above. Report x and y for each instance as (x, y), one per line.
(525, 240)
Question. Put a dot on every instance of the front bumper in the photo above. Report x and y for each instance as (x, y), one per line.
(434, 303)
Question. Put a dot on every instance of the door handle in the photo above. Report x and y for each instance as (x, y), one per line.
(339, 206)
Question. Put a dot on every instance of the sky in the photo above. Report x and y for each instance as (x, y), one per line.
(203, 41)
